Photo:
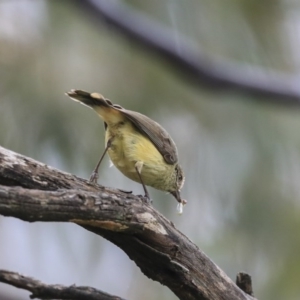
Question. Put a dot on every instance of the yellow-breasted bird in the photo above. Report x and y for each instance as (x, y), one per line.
(138, 146)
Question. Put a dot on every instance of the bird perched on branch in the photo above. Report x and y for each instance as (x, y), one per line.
(138, 146)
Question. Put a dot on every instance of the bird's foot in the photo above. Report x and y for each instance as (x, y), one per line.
(94, 177)
(146, 199)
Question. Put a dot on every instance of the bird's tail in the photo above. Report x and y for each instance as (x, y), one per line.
(106, 110)
(90, 99)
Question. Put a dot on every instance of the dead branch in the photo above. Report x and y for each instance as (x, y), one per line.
(244, 282)
(44, 291)
(32, 191)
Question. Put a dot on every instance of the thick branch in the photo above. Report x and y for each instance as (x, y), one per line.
(33, 192)
(189, 61)
(44, 291)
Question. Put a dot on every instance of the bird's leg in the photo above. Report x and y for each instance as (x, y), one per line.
(138, 167)
(94, 176)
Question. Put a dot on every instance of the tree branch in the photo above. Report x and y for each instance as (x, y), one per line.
(244, 282)
(32, 192)
(44, 291)
(193, 65)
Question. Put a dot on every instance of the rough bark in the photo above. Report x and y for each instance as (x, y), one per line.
(32, 191)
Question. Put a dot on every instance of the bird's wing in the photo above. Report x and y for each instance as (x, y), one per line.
(158, 135)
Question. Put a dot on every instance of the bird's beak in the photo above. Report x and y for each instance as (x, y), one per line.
(177, 196)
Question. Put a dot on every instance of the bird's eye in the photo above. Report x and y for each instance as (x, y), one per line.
(180, 177)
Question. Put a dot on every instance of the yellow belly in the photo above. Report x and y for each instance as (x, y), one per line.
(130, 146)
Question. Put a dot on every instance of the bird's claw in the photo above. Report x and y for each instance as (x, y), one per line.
(146, 198)
(94, 177)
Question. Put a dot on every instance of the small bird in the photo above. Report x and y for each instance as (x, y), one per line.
(138, 146)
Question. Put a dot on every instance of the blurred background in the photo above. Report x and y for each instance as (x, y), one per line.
(241, 155)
